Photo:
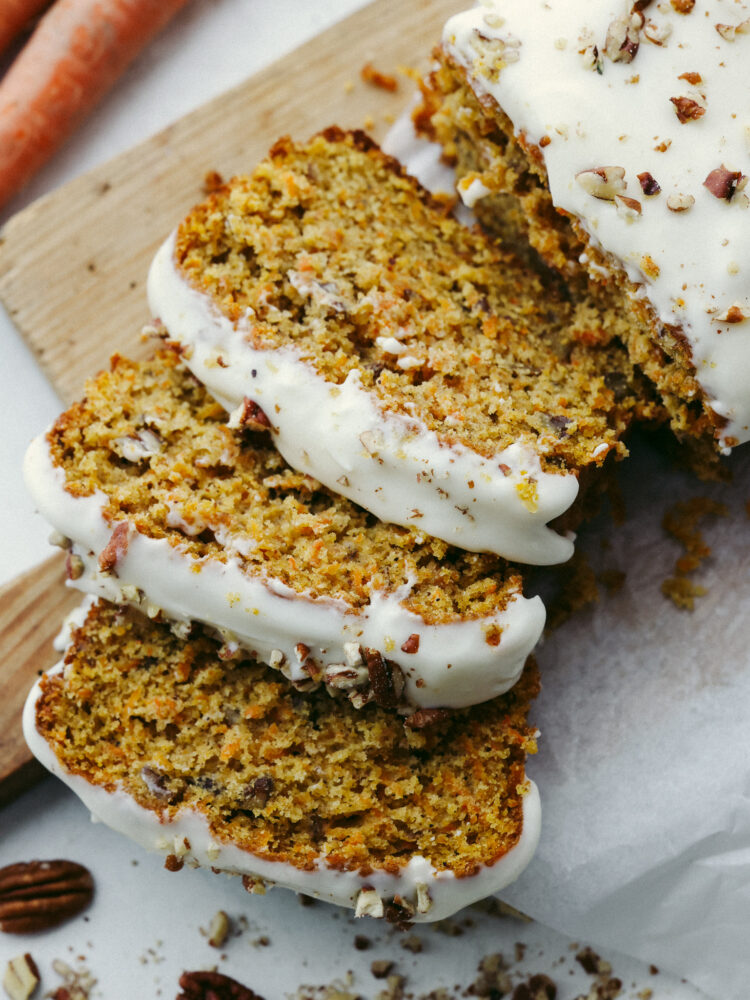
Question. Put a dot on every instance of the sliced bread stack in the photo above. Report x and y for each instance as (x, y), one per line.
(303, 524)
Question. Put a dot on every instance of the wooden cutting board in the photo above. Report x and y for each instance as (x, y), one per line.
(88, 246)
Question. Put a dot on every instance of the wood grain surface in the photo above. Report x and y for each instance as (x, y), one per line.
(88, 245)
(73, 265)
(31, 610)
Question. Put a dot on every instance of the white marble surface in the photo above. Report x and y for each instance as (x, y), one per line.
(144, 927)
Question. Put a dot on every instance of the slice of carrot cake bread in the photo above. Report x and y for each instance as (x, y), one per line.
(165, 507)
(225, 765)
(396, 355)
(619, 131)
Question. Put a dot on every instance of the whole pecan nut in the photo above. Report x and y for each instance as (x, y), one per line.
(36, 895)
(213, 986)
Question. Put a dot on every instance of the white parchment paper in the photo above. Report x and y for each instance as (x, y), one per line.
(644, 759)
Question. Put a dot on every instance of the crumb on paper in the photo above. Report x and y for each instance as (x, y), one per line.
(681, 522)
(77, 984)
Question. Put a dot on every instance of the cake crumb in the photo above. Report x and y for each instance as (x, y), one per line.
(385, 81)
(681, 522)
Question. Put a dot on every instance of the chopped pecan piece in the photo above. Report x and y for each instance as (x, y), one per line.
(680, 202)
(723, 183)
(399, 912)
(730, 31)
(628, 208)
(694, 78)
(213, 986)
(35, 895)
(622, 37)
(385, 678)
(411, 645)
(259, 791)
(538, 987)
(74, 567)
(116, 548)
(250, 417)
(173, 863)
(649, 185)
(687, 110)
(425, 717)
(219, 929)
(683, 6)
(733, 314)
(157, 783)
(21, 977)
(602, 182)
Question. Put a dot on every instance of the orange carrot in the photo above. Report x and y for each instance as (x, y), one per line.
(17, 15)
(79, 49)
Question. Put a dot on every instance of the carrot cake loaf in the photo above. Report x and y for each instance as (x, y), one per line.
(619, 130)
(165, 507)
(225, 765)
(396, 355)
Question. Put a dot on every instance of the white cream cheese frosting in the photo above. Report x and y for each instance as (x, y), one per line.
(450, 665)
(389, 463)
(616, 96)
(432, 894)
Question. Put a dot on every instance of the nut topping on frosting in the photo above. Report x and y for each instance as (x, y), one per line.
(649, 184)
(369, 904)
(730, 31)
(623, 38)
(628, 208)
(602, 182)
(116, 548)
(249, 416)
(680, 202)
(723, 183)
(687, 110)
(411, 645)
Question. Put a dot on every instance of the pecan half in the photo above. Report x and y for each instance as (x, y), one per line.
(213, 986)
(35, 895)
